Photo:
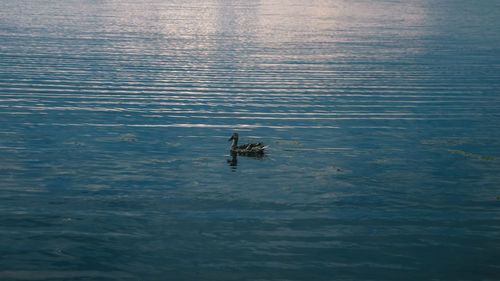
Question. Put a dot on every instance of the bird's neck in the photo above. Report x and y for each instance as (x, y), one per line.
(235, 143)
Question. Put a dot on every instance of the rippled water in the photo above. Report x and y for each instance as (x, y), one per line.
(382, 119)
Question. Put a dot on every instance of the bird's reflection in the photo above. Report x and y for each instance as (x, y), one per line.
(233, 161)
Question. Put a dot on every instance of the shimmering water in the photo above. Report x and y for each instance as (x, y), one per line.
(382, 119)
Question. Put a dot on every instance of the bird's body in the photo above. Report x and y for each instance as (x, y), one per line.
(249, 149)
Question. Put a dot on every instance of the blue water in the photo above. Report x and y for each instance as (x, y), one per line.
(382, 119)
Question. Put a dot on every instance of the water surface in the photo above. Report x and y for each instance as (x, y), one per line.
(381, 116)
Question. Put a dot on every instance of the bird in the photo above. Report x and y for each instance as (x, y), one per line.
(248, 149)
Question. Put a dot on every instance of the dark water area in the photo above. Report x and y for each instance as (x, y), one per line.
(381, 117)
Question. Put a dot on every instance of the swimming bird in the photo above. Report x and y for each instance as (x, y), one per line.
(248, 149)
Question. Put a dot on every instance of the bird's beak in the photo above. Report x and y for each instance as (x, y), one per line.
(231, 138)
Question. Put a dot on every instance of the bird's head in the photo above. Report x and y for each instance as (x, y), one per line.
(233, 137)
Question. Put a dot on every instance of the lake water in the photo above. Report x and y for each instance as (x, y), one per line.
(382, 119)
